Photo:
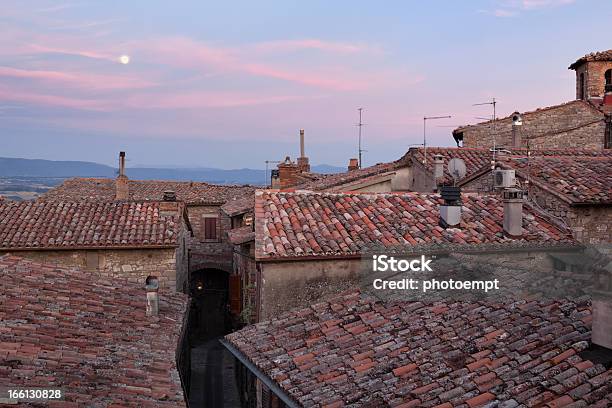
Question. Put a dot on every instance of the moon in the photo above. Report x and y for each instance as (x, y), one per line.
(124, 59)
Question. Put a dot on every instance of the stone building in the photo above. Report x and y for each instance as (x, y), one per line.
(208, 248)
(572, 186)
(90, 336)
(584, 123)
(308, 245)
(119, 240)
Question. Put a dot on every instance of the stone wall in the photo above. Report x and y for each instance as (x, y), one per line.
(204, 253)
(589, 224)
(244, 265)
(134, 264)
(295, 284)
(572, 125)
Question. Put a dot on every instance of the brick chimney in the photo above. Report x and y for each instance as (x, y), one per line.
(450, 211)
(513, 211)
(302, 161)
(169, 206)
(287, 173)
(353, 164)
(152, 288)
(121, 184)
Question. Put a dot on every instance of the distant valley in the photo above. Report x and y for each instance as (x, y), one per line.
(25, 179)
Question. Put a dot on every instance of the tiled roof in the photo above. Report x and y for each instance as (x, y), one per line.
(576, 179)
(356, 351)
(478, 160)
(241, 235)
(474, 159)
(190, 192)
(51, 224)
(594, 56)
(63, 328)
(330, 182)
(239, 205)
(289, 224)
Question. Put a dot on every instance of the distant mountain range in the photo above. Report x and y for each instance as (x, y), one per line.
(17, 167)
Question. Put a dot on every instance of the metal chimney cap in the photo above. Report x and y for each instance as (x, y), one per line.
(152, 283)
(121, 154)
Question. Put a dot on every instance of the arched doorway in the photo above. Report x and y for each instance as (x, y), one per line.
(210, 298)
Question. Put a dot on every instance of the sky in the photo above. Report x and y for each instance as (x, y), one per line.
(229, 84)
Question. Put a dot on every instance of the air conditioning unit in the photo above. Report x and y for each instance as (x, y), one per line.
(504, 178)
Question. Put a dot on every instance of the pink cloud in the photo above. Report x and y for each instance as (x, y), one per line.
(314, 44)
(82, 80)
(17, 95)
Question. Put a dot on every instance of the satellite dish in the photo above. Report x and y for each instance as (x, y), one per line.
(456, 168)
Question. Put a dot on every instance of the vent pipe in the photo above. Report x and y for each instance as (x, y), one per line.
(513, 211)
(152, 288)
(450, 211)
(438, 167)
(121, 184)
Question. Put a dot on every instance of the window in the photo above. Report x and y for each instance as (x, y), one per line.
(581, 91)
(608, 76)
(210, 228)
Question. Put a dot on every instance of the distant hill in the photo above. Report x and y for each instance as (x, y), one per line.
(17, 167)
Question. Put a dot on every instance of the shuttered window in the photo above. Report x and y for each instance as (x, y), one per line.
(210, 228)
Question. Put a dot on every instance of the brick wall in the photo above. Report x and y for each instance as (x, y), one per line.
(572, 125)
(594, 81)
(133, 264)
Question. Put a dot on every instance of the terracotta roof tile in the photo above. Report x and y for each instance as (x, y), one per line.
(241, 235)
(441, 361)
(332, 182)
(576, 179)
(289, 224)
(50, 224)
(594, 56)
(239, 205)
(68, 329)
(190, 192)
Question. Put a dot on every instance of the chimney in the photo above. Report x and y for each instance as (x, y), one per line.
(169, 195)
(121, 184)
(438, 166)
(287, 174)
(152, 288)
(274, 179)
(517, 122)
(602, 308)
(450, 211)
(302, 161)
(513, 211)
(353, 164)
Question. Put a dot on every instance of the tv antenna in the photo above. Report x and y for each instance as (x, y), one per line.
(493, 103)
(360, 125)
(425, 119)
